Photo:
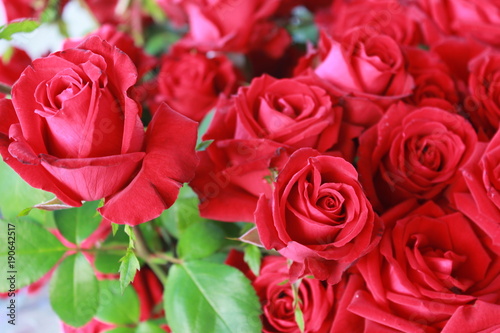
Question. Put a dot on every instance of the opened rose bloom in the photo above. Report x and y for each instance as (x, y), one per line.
(413, 152)
(72, 130)
(428, 266)
(255, 131)
(315, 298)
(318, 216)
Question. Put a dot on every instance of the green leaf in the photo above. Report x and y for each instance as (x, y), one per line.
(200, 240)
(197, 299)
(115, 228)
(76, 224)
(36, 252)
(108, 261)
(203, 145)
(149, 327)
(74, 291)
(183, 213)
(115, 307)
(128, 267)
(204, 124)
(122, 330)
(253, 257)
(16, 195)
(6, 31)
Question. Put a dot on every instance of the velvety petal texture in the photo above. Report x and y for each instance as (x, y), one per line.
(73, 130)
(318, 216)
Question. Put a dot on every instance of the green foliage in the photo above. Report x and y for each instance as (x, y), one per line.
(211, 298)
(128, 268)
(7, 30)
(74, 291)
(35, 252)
(16, 195)
(200, 240)
(253, 258)
(115, 307)
(76, 224)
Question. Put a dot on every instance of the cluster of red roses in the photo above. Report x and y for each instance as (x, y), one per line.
(370, 160)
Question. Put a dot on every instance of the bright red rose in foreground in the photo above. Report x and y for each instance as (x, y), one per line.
(277, 297)
(254, 132)
(318, 216)
(413, 153)
(427, 266)
(74, 131)
(480, 200)
(191, 82)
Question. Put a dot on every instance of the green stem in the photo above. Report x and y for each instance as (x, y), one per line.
(143, 252)
(5, 89)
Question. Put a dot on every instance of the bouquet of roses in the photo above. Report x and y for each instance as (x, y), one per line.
(196, 166)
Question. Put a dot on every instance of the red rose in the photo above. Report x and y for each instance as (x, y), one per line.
(484, 88)
(427, 266)
(253, 132)
(143, 61)
(434, 85)
(413, 153)
(479, 19)
(318, 216)
(398, 20)
(235, 26)
(273, 287)
(191, 82)
(74, 131)
(368, 66)
(480, 200)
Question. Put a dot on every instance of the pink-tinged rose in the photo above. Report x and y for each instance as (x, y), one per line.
(367, 66)
(254, 132)
(143, 61)
(191, 82)
(428, 265)
(401, 21)
(72, 130)
(316, 300)
(484, 89)
(235, 26)
(413, 152)
(480, 199)
(23, 9)
(12, 65)
(434, 85)
(318, 216)
(479, 19)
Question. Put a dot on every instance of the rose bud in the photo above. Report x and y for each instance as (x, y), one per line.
(71, 129)
(318, 216)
